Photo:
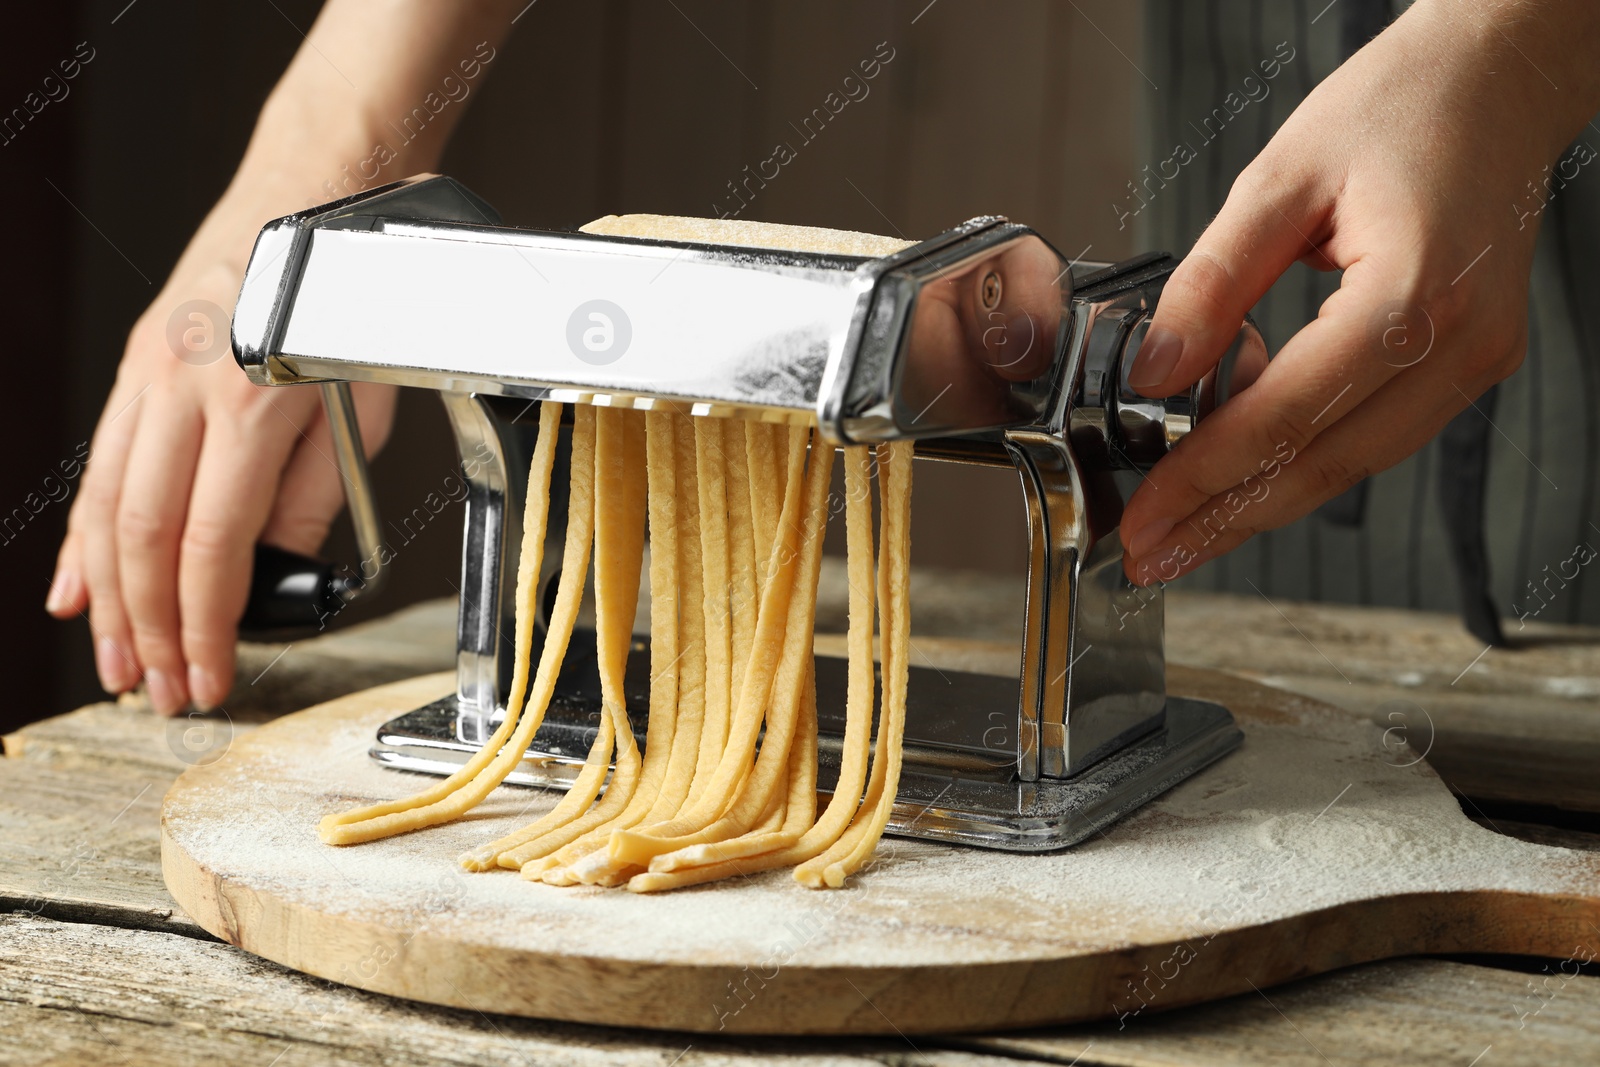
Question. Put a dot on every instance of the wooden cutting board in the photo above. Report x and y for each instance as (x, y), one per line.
(1319, 844)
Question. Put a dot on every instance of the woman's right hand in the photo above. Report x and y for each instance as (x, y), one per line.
(192, 465)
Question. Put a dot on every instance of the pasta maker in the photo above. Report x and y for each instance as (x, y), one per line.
(983, 344)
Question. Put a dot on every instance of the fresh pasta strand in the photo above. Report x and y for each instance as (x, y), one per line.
(704, 863)
(563, 618)
(742, 584)
(618, 556)
(595, 866)
(766, 470)
(685, 756)
(663, 746)
(406, 816)
(662, 499)
(799, 812)
(691, 623)
(535, 519)
(784, 635)
(620, 549)
(810, 873)
(711, 468)
(851, 851)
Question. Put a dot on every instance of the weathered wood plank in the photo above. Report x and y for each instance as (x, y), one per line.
(1410, 650)
(158, 998)
(125, 737)
(1409, 1013)
(1519, 724)
(80, 993)
(1521, 748)
(276, 678)
(271, 680)
(86, 847)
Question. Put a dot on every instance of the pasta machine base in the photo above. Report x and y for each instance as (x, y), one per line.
(946, 794)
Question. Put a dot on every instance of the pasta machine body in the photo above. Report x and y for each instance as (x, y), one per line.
(983, 344)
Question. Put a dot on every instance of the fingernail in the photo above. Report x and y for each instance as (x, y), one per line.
(1171, 565)
(116, 673)
(1156, 359)
(166, 692)
(205, 688)
(1148, 536)
(1145, 575)
(65, 589)
(1167, 566)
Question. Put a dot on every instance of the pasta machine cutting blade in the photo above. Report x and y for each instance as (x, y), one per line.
(984, 344)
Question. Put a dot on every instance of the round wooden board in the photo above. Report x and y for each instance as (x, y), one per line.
(1315, 846)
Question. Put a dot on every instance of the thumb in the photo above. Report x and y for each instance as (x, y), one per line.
(310, 494)
(1265, 226)
(311, 491)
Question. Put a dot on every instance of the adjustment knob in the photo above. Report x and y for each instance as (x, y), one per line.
(1147, 429)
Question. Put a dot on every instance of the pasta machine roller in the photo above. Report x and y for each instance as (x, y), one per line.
(983, 344)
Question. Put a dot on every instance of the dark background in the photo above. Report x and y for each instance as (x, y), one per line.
(590, 108)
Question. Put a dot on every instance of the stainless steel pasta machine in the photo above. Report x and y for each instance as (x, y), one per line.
(983, 344)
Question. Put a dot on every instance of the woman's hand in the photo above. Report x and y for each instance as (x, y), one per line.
(191, 465)
(1418, 169)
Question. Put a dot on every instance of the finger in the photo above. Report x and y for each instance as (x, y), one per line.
(312, 492)
(227, 511)
(1325, 371)
(309, 496)
(1267, 223)
(150, 519)
(1398, 420)
(69, 594)
(375, 406)
(92, 525)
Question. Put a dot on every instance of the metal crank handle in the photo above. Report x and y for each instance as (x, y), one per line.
(296, 596)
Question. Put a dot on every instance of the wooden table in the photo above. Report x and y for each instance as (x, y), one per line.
(98, 965)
